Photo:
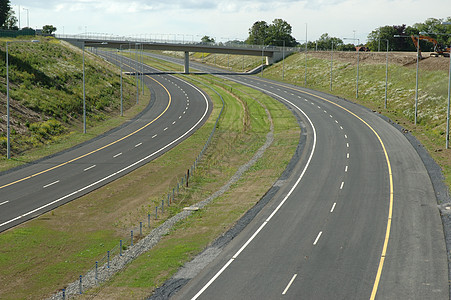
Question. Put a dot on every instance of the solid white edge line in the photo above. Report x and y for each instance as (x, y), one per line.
(4, 202)
(212, 279)
(50, 184)
(281, 203)
(317, 238)
(333, 207)
(89, 168)
(120, 171)
(289, 284)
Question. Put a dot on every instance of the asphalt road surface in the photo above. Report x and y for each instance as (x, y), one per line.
(177, 110)
(356, 219)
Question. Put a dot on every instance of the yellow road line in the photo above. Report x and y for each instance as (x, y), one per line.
(390, 209)
(101, 148)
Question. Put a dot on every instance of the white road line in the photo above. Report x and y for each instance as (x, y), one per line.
(89, 168)
(4, 202)
(50, 184)
(121, 170)
(184, 112)
(173, 123)
(180, 117)
(333, 207)
(280, 204)
(336, 121)
(137, 145)
(319, 106)
(289, 284)
(341, 127)
(165, 129)
(317, 238)
(346, 169)
(155, 136)
(342, 184)
(325, 111)
(347, 145)
(347, 155)
(330, 116)
(346, 136)
(119, 154)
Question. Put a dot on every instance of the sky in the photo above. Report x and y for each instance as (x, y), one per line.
(224, 20)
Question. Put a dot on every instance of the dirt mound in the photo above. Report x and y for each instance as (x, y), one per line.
(398, 58)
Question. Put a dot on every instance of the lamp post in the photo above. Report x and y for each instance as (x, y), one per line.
(28, 17)
(331, 63)
(8, 131)
(84, 83)
(305, 57)
(358, 59)
(449, 94)
(449, 86)
(416, 81)
(386, 75)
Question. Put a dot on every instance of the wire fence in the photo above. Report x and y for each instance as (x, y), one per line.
(120, 255)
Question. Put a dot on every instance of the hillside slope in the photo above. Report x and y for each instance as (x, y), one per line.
(46, 93)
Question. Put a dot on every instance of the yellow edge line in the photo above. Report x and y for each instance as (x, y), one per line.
(390, 209)
(101, 148)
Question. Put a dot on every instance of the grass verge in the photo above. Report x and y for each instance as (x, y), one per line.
(42, 255)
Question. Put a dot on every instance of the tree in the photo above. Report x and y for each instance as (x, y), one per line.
(258, 33)
(11, 21)
(207, 40)
(277, 34)
(48, 29)
(325, 42)
(388, 33)
(5, 7)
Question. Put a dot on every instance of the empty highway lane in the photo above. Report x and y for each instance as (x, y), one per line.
(357, 218)
(39, 187)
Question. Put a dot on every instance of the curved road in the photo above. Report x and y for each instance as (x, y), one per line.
(39, 187)
(357, 218)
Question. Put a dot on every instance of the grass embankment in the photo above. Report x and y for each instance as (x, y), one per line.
(43, 255)
(46, 98)
(432, 96)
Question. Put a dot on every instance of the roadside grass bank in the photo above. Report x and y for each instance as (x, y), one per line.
(43, 255)
(46, 98)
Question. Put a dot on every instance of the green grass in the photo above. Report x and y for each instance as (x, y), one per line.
(47, 96)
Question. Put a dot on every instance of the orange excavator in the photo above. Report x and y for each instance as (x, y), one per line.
(438, 48)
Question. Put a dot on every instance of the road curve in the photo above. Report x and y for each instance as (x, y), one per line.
(41, 186)
(343, 226)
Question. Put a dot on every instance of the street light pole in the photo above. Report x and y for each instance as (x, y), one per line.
(358, 60)
(84, 92)
(305, 57)
(331, 63)
(8, 153)
(416, 82)
(386, 75)
(28, 17)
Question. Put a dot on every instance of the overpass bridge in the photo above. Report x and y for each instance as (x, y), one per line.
(271, 53)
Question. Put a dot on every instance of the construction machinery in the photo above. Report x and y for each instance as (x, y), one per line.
(439, 49)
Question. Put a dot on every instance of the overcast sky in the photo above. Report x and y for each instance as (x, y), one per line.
(225, 20)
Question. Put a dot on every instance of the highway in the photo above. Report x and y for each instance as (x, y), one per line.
(356, 219)
(177, 109)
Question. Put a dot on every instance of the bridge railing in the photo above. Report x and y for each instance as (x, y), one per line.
(149, 39)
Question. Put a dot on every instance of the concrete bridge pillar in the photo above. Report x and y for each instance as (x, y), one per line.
(186, 62)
